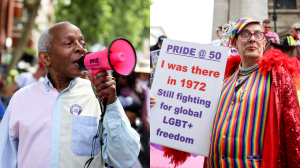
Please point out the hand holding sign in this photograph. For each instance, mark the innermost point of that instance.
(187, 88)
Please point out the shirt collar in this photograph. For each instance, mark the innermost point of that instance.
(49, 85)
(295, 37)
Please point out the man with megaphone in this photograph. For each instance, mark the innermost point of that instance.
(54, 123)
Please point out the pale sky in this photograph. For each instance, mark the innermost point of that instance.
(184, 20)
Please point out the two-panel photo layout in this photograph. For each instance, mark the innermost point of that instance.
(149, 84)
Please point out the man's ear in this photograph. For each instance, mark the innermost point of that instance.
(234, 45)
(45, 58)
(265, 41)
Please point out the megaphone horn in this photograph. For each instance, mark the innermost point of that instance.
(119, 57)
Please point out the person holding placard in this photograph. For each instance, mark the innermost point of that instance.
(257, 120)
(257, 123)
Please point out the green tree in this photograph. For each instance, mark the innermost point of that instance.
(103, 21)
(33, 12)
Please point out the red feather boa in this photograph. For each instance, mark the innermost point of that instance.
(232, 64)
(276, 60)
(177, 157)
(272, 59)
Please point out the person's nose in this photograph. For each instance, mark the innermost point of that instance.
(252, 38)
(79, 48)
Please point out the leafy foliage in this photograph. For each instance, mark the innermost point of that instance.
(101, 21)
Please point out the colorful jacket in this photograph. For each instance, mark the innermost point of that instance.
(282, 136)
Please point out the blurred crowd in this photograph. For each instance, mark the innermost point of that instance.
(16, 80)
(133, 93)
(272, 37)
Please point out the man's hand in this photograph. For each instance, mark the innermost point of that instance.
(152, 101)
(295, 45)
(104, 85)
(273, 40)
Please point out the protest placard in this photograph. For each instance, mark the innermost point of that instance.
(187, 87)
(154, 58)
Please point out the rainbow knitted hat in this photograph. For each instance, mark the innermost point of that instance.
(240, 24)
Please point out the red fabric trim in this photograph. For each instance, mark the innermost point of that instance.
(205, 162)
(270, 144)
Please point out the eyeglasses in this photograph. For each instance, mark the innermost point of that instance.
(297, 28)
(246, 35)
(267, 27)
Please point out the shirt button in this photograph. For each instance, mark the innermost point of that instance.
(224, 136)
(232, 103)
(223, 157)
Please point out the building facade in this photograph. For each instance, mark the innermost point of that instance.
(288, 12)
(155, 32)
(14, 16)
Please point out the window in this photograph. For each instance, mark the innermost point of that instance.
(285, 4)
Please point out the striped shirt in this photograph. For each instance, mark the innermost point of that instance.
(238, 130)
(46, 129)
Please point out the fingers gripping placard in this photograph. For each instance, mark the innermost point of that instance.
(187, 87)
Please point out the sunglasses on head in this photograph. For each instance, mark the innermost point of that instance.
(297, 28)
(267, 27)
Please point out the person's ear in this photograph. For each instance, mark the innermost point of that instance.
(234, 45)
(45, 58)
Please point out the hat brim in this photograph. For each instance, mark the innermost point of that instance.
(142, 69)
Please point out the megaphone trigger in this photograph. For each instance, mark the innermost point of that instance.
(105, 96)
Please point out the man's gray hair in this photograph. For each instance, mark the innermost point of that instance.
(46, 38)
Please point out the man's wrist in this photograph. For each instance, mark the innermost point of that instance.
(114, 109)
(112, 101)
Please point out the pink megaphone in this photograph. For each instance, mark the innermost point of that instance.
(119, 57)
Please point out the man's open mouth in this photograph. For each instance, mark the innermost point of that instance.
(76, 63)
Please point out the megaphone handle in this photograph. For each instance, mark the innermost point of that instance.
(94, 72)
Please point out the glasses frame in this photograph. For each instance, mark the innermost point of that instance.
(296, 28)
(267, 27)
(252, 34)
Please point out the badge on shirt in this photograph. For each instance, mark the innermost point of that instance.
(75, 109)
